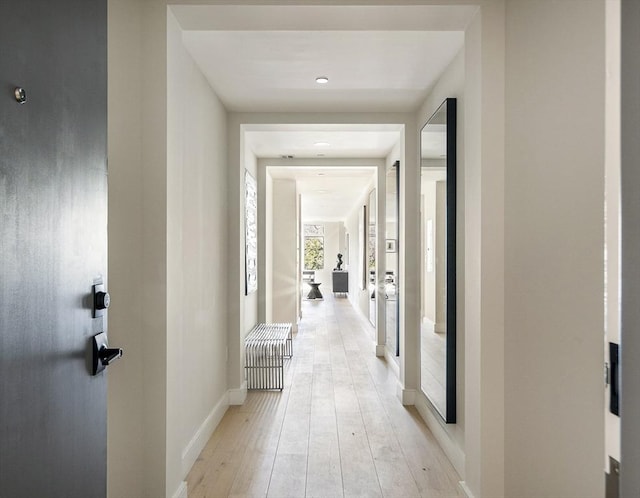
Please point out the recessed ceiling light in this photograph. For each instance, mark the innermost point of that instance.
(322, 144)
(323, 80)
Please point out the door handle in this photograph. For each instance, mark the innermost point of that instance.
(103, 355)
(108, 355)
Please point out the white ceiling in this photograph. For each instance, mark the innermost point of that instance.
(326, 143)
(265, 58)
(368, 71)
(330, 193)
(252, 17)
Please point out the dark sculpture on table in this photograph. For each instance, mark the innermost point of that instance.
(339, 263)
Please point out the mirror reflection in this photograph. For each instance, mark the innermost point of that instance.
(371, 255)
(391, 260)
(437, 223)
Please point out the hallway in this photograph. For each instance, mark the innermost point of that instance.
(337, 429)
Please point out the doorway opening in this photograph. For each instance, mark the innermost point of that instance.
(321, 236)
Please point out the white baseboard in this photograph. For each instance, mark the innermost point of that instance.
(181, 492)
(437, 427)
(380, 350)
(406, 396)
(202, 435)
(238, 396)
(428, 325)
(466, 490)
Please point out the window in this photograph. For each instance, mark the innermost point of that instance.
(313, 247)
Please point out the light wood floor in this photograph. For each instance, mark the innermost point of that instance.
(337, 429)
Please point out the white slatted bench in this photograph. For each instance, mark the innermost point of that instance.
(266, 347)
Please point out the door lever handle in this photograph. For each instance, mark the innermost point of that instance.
(103, 355)
(108, 355)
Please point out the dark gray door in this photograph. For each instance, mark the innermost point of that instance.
(53, 245)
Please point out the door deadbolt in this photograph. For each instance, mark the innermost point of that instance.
(101, 300)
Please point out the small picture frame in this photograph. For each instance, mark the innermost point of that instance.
(390, 245)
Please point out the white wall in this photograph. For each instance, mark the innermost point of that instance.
(612, 212)
(127, 430)
(298, 257)
(284, 231)
(484, 232)
(341, 241)
(235, 261)
(267, 245)
(554, 239)
(166, 268)
(137, 390)
(196, 259)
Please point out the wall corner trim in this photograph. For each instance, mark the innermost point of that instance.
(181, 492)
(466, 490)
(237, 396)
(201, 436)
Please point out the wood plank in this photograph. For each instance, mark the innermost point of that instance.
(324, 473)
(358, 469)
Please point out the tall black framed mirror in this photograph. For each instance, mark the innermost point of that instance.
(438, 260)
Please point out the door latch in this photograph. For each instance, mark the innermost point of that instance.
(103, 355)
